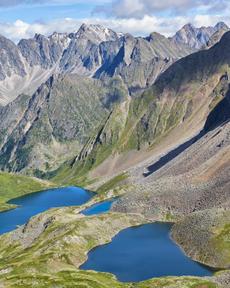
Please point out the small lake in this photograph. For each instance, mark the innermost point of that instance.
(99, 208)
(143, 252)
(135, 254)
(35, 203)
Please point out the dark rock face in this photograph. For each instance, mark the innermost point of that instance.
(139, 61)
(83, 54)
(220, 114)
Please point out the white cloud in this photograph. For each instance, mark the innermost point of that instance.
(10, 3)
(139, 8)
(139, 27)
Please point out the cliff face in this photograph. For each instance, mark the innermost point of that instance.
(96, 51)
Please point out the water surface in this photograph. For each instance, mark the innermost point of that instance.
(99, 208)
(35, 203)
(135, 254)
(143, 252)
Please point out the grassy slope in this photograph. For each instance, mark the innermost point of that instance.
(12, 186)
(58, 244)
(90, 279)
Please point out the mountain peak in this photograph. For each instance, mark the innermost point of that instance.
(96, 33)
(197, 37)
(38, 37)
(188, 26)
(221, 25)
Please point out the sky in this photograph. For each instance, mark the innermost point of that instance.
(23, 18)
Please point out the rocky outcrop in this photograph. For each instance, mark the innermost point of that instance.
(199, 37)
(11, 61)
(204, 236)
(215, 38)
(139, 61)
(92, 51)
(44, 51)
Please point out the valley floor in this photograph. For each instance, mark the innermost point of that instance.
(51, 247)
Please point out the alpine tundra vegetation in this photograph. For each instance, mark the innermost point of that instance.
(141, 121)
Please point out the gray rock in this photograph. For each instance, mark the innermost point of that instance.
(197, 37)
(11, 61)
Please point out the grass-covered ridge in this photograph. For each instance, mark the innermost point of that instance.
(14, 185)
(49, 250)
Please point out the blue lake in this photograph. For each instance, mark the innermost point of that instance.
(143, 252)
(99, 208)
(36, 203)
(135, 254)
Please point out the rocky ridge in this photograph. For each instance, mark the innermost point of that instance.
(92, 51)
(199, 37)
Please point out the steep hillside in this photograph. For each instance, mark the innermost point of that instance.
(195, 180)
(215, 38)
(192, 177)
(54, 124)
(11, 61)
(94, 119)
(172, 111)
(96, 51)
(44, 51)
(205, 236)
(13, 186)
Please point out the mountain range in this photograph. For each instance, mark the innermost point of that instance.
(145, 118)
(68, 84)
(94, 51)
